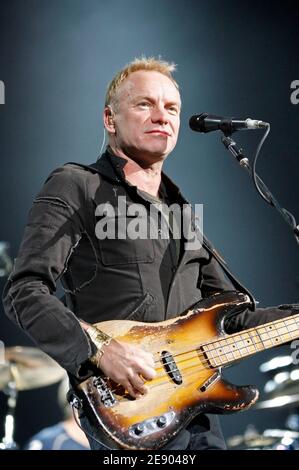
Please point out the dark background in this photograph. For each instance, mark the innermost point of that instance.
(234, 59)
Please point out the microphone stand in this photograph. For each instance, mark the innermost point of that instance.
(263, 190)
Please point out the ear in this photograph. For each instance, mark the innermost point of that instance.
(108, 118)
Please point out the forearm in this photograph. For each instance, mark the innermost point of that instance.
(250, 319)
(53, 327)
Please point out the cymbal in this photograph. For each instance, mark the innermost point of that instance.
(248, 442)
(29, 368)
(281, 433)
(278, 362)
(280, 401)
(283, 383)
(269, 439)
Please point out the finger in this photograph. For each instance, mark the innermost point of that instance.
(147, 373)
(138, 384)
(149, 359)
(152, 361)
(131, 391)
(134, 392)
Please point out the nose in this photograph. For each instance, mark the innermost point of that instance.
(159, 115)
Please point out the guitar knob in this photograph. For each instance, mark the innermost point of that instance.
(139, 429)
(161, 421)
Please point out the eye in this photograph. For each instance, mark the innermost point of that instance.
(144, 104)
(173, 110)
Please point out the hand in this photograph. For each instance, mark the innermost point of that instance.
(126, 365)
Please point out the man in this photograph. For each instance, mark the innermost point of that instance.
(124, 278)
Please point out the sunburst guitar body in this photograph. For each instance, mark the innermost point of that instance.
(190, 352)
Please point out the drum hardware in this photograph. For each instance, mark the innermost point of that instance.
(24, 368)
(8, 442)
(281, 391)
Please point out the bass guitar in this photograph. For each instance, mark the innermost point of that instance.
(190, 352)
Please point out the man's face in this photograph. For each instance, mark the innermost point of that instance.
(147, 116)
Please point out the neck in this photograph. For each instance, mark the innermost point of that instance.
(146, 176)
(234, 347)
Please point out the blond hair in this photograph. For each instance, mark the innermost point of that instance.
(144, 63)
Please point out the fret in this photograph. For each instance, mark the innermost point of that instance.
(224, 349)
(239, 345)
(249, 346)
(276, 334)
(256, 341)
(245, 345)
(292, 329)
(283, 333)
(223, 354)
(266, 333)
(210, 351)
(231, 344)
(259, 339)
(286, 333)
(228, 348)
(218, 358)
(272, 334)
(233, 347)
(291, 326)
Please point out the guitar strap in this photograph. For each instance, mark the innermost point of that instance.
(206, 243)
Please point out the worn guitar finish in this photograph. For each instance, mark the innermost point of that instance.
(189, 352)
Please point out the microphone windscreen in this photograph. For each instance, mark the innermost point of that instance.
(197, 122)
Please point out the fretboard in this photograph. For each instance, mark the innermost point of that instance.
(233, 347)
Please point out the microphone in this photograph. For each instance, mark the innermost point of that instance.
(205, 122)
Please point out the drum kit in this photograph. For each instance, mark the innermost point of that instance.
(281, 392)
(23, 368)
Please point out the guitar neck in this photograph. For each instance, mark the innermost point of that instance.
(246, 343)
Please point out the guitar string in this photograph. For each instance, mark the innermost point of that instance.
(220, 355)
(163, 373)
(151, 384)
(170, 385)
(194, 352)
(230, 339)
(216, 340)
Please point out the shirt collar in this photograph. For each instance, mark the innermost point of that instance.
(113, 165)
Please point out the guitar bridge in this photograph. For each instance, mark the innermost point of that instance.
(106, 396)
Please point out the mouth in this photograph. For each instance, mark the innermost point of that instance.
(159, 132)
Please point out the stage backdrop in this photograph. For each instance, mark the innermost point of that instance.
(234, 59)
